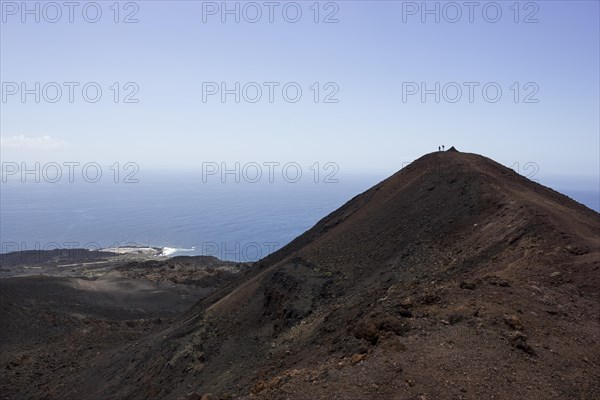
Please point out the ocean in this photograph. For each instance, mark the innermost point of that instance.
(236, 222)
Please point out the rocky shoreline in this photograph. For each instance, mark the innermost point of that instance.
(74, 262)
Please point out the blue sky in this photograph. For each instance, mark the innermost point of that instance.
(370, 58)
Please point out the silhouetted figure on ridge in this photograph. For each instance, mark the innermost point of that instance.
(442, 147)
(439, 148)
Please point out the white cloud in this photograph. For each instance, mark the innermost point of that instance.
(23, 142)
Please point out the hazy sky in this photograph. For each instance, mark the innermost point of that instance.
(373, 61)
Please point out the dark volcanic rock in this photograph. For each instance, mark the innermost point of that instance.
(455, 239)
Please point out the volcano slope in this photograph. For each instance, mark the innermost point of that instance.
(455, 278)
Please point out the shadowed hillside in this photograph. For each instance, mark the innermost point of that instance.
(453, 278)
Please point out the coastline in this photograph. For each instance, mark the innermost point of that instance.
(76, 262)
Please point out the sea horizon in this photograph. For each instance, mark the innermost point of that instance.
(234, 221)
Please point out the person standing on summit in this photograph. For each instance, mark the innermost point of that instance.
(442, 147)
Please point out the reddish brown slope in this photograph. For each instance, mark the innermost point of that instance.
(454, 278)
